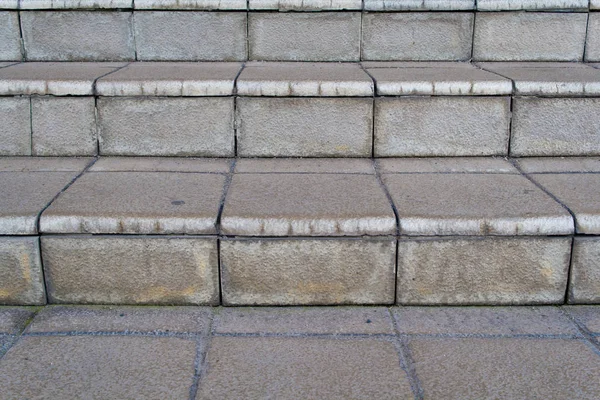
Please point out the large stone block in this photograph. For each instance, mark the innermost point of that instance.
(592, 49)
(208, 36)
(296, 127)
(324, 36)
(472, 270)
(78, 35)
(166, 126)
(131, 270)
(75, 4)
(417, 36)
(307, 271)
(442, 126)
(21, 278)
(10, 37)
(15, 129)
(585, 271)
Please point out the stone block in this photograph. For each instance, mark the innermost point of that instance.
(190, 5)
(75, 4)
(9, 4)
(559, 164)
(15, 130)
(10, 37)
(419, 5)
(585, 271)
(304, 165)
(160, 164)
(592, 47)
(21, 278)
(488, 165)
(543, 5)
(304, 5)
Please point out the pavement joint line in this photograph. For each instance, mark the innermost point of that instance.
(307, 335)
(406, 362)
(155, 334)
(585, 332)
(16, 337)
(490, 336)
(202, 347)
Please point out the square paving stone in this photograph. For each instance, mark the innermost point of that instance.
(585, 271)
(14, 319)
(106, 367)
(588, 316)
(303, 79)
(170, 79)
(21, 277)
(506, 368)
(288, 368)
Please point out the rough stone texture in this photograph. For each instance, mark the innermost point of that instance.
(304, 165)
(549, 79)
(595, 4)
(10, 42)
(483, 321)
(304, 5)
(555, 127)
(585, 271)
(170, 79)
(501, 5)
(325, 36)
(559, 164)
(331, 205)
(592, 50)
(14, 319)
(295, 127)
(190, 5)
(488, 165)
(160, 164)
(21, 278)
(411, 5)
(588, 316)
(137, 203)
(15, 129)
(526, 36)
(98, 367)
(78, 35)
(63, 126)
(444, 79)
(43, 164)
(305, 320)
(206, 36)
(417, 36)
(312, 368)
(75, 4)
(304, 79)
(166, 126)
(57, 79)
(9, 4)
(167, 270)
(121, 319)
(492, 271)
(475, 204)
(442, 126)
(307, 272)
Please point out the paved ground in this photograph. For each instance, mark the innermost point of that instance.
(67, 352)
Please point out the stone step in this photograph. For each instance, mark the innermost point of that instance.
(452, 231)
(280, 109)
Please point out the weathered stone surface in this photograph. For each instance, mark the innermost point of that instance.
(303, 79)
(78, 35)
(307, 271)
(194, 36)
(14, 319)
(417, 36)
(170, 79)
(98, 367)
(483, 321)
(160, 164)
(166, 126)
(526, 36)
(9, 4)
(314, 368)
(501, 5)
(63, 126)
(549, 79)
(492, 271)
(43, 164)
(15, 130)
(592, 49)
(326, 36)
(595, 4)
(304, 165)
(21, 278)
(331, 205)
(555, 127)
(475, 204)
(559, 164)
(411, 5)
(304, 5)
(441, 126)
(488, 165)
(137, 203)
(585, 271)
(588, 316)
(190, 5)
(10, 46)
(168, 270)
(444, 79)
(75, 4)
(121, 319)
(304, 320)
(478, 368)
(296, 127)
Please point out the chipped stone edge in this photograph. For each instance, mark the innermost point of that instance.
(557, 88)
(304, 5)
(515, 5)
(304, 88)
(18, 225)
(587, 223)
(172, 88)
(45, 87)
(190, 5)
(75, 4)
(419, 5)
(453, 88)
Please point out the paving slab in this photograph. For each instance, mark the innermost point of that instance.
(418, 5)
(488, 165)
(316, 368)
(98, 367)
(304, 5)
(170, 79)
(584, 286)
(303, 79)
(304, 166)
(443, 80)
(559, 164)
(332, 205)
(21, 277)
(75, 4)
(544, 5)
(14, 319)
(190, 5)
(588, 316)
(549, 79)
(160, 164)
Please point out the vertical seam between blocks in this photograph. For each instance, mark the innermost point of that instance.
(30, 126)
(406, 361)
(200, 359)
(372, 109)
(235, 110)
(473, 31)
(247, 30)
(388, 195)
(133, 35)
(21, 36)
(587, 32)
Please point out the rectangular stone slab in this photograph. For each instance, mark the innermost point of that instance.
(190, 5)
(592, 47)
(559, 164)
(418, 5)
(10, 47)
(15, 131)
(304, 5)
(501, 5)
(75, 4)
(21, 277)
(585, 271)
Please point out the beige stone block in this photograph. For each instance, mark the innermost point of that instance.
(585, 271)
(21, 278)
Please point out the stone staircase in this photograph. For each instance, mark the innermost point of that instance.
(261, 152)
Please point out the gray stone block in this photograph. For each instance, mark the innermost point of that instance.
(78, 35)
(63, 126)
(21, 278)
(195, 36)
(160, 164)
(493, 271)
(324, 36)
(190, 5)
(419, 5)
(15, 129)
(43, 164)
(442, 126)
(9, 4)
(562, 164)
(417, 36)
(296, 127)
(304, 5)
(307, 272)
(541, 5)
(304, 165)
(523, 36)
(166, 126)
(167, 270)
(592, 47)
(489, 165)
(10, 37)
(75, 4)
(585, 271)
(555, 127)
